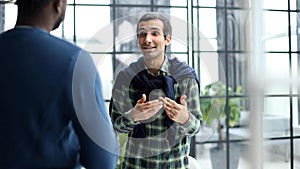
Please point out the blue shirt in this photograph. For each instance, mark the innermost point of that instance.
(52, 110)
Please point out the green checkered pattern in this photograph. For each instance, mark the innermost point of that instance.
(163, 147)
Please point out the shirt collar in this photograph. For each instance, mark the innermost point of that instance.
(164, 70)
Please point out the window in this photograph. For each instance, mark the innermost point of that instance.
(215, 37)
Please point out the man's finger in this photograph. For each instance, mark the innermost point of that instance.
(142, 100)
(182, 100)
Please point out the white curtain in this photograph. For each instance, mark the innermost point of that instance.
(233, 32)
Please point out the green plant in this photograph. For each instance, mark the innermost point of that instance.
(213, 105)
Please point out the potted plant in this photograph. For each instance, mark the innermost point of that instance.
(213, 108)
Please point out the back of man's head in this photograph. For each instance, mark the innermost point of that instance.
(30, 7)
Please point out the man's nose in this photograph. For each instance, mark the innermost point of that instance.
(148, 38)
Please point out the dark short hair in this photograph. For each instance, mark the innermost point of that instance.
(30, 7)
(155, 15)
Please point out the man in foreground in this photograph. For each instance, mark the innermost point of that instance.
(52, 110)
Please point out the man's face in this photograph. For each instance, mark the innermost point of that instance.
(151, 38)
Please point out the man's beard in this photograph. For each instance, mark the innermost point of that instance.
(57, 23)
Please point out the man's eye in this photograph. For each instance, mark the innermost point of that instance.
(142, 34)
(155, 33)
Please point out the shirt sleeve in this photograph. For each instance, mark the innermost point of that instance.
(120, 109)
(190, 88)
(98, 142)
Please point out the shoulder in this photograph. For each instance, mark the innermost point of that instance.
(180, 70)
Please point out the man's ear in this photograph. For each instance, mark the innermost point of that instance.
(168, 39)
(58, 5)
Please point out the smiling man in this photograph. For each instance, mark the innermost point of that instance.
(156, 101)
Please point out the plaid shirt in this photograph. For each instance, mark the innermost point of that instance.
(164, 146)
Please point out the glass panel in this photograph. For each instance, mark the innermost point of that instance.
(125, 34)
(132, 2)
(295, 74)
(207, 25)
(179, 30)
(296, 153)
(103, 2)
(205, 3)
(277, 72)
(294, 31)
(10, 16)
(276, 31)
(296, 116)
(210, 69)
(293, 4)
(178, 3)
(276, 154)
(276, 112)
(179, 13)
(205, 30)
(177, 45)
(105, 69)
(89, 21)
(280, 4)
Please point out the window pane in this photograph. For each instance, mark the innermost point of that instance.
(296, 116)
(10, 16)
(294, 31)
(276, 31)
(104, 66)
(208, 3)
(277, 73)
(179, 30)
(296, 152)
(276, 154)
(90, 20)
(279, 4)
(125, 35)
(132, 2)
(92, 2)
(207, 25)
(211, 68)
(277, 111)
(178, 3)
(205, 30)
(293, 4)
(282, 121)
(180, 13)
